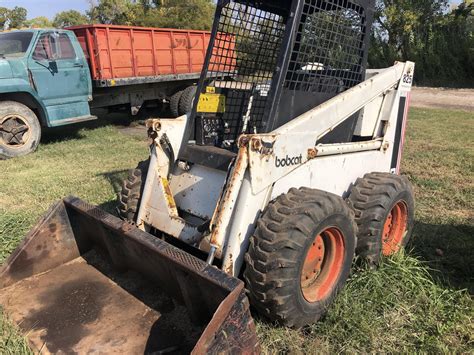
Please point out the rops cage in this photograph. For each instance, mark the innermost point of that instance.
(270, 62)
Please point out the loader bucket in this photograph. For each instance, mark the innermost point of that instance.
(83, 281)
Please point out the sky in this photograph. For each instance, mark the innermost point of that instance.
(49, 8)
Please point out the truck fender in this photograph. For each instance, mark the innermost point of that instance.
(20, 91)
(29, 99)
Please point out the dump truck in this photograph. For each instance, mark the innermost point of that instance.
(53, 77)
(285, 170)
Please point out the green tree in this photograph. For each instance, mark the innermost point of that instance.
(4, 13)
(425, 31)
(39, 22)
(113, 12)
(69, 18)
(17, 16)
(195, 14)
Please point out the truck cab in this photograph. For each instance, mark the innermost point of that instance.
(44, 82)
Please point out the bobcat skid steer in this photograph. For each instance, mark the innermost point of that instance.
(286, 168)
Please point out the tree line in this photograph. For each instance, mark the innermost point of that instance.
(433, 33)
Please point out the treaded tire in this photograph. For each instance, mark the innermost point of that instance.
(373, 198)
(275, 260)
(187, 100)
(132, 189)
(174, 103)
(25, 118)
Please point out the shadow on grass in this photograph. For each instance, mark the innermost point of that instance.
(115, 179)
(124, 119)
(72, 132)
(448, 250)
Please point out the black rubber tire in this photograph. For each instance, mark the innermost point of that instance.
(187, 100)
(132, 189)
(372, 198)
(9, 108)
(278, 250)
(174, 103)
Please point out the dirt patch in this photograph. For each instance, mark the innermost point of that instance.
(455, 99)
(138, 131)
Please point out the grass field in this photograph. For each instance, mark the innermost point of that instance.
(419, 301)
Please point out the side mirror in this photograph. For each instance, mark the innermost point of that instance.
(53, 66)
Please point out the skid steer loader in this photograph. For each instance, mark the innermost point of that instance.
(286, 168)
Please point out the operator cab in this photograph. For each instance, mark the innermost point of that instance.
(250, 85)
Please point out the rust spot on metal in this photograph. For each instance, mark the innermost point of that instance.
(312, 153)
(244, 140)
(256, 144)
(226, 203)
(127, 227)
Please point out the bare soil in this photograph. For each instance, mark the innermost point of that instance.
(455, 99)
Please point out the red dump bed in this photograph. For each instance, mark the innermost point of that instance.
(116, 52)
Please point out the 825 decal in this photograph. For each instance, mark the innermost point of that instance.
(408, 79)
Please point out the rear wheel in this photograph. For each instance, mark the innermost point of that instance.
(384, 212)
(187, 100)
(132, 189)
(174, 103)
(300, 256)
(20, 130)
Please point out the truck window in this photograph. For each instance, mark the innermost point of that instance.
(14, 44)
(66, 48)
(54, 47)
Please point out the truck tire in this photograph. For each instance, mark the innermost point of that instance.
(132, 189)
(20, 130)
(174, 103)
(187, 100)
(300, 256)
(384, 212)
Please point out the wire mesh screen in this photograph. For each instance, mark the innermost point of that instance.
(244, 58)
(329, 49)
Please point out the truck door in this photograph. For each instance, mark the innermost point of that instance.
(61, 77)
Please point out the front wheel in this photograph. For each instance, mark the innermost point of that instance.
(300, 256)
(20, 130)
(132, 189)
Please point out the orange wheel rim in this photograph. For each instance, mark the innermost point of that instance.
(395, 229)
(323, 265)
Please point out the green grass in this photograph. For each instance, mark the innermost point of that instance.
(415, 302)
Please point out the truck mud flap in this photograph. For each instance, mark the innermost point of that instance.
(84, 281)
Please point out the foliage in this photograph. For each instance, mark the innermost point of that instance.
(112, 12)
(39, 22)
(441, 42)
(15, 17)
(69, 18)
(195, 14)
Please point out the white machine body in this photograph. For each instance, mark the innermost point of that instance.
(178, 197)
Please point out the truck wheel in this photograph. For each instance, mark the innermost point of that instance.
(300, 256)
(187, 100)
(20, 130)
(384, 212)
(174, 103)
(132, 189)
